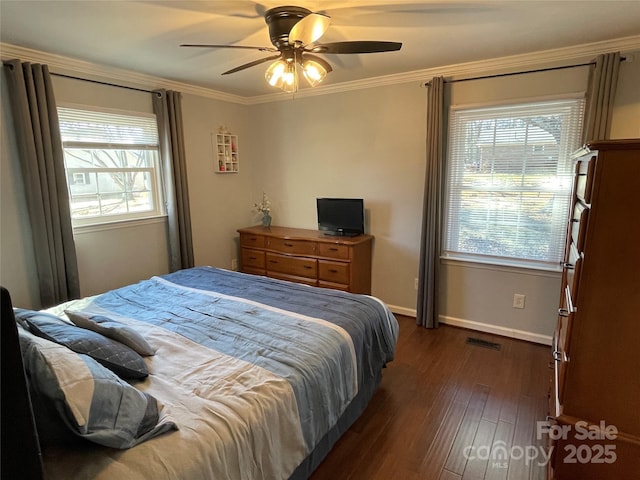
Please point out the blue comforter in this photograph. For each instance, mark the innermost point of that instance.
(327, 344)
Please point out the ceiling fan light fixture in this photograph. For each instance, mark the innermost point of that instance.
(294, 32)
(282, 74)
(275, 73)
(290, 79)
(313, 72)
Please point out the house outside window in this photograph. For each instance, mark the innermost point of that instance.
(112, 164)
(78, 178)
(508, 182)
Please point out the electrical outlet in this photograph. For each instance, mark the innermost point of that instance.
(518, 300)
(234, 264)
(415, 283)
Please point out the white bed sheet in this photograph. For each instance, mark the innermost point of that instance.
(236, 421)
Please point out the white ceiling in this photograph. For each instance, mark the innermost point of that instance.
(144, 36)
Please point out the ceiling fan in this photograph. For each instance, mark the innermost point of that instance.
(294, 32)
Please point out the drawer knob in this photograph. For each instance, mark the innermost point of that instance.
(288, 244)
(253, 258)
(333, 270)
(308, 267)
(333, 249)
(273, 261)
(563, 312)
(567, 265)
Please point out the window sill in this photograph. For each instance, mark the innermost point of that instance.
(99, 227)
(502, 266)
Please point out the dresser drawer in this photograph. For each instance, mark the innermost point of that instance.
(252, 258)
(298, 266)
(292, 278)
(333, 250)
(334, 286)
(250, 240)
(253, 271)
(298, 247)
(579, 221)
(560, 353)
(565, 320)
(584, 178)
(293, 254)
(336, 272)
(573, 269)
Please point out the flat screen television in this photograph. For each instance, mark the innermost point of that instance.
(341, 216)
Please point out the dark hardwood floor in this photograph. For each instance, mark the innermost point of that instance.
(449, 410)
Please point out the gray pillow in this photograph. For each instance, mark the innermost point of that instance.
(114, 355)
(91, 400)
(112, 329)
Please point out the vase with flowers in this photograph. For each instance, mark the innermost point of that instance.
(264, 208)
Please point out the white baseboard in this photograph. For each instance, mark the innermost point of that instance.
(498, 330)
(409, 312)
(482, 327)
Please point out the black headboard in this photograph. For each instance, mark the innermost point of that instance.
(21, 454)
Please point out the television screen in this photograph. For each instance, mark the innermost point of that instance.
(341, 216)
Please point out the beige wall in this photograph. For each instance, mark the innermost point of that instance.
(364, 144)
(220, 202)
(625, 122)
(367, 143)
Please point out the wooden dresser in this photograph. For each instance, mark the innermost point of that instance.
(308, 256)
(596, 348)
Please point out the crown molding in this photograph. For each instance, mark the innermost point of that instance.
(126, 78)
(540, 59)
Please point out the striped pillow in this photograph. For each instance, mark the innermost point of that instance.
(91, 400)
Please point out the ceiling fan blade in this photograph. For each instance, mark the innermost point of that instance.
(262, 49)
(356, 47)
(309, 29)
(252, 64)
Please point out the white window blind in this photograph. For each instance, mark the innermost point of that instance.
(509, 180)
(112, 165)
(106, 128)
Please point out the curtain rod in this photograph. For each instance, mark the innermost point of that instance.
(101, 82)
(497, 75)
(426, 84)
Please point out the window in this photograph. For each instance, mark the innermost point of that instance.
(79, 178)
(111, 160)
(509, 181)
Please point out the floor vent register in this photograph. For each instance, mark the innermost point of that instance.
(478, 342)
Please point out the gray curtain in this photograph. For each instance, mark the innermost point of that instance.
(35, 119)
(428, 273)
(167, 106)
(600, 96)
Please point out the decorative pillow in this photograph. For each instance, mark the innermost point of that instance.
(112, 329)
(92, 401)
(22, 314)
(114, 355)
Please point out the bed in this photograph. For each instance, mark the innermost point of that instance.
(250, 377)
